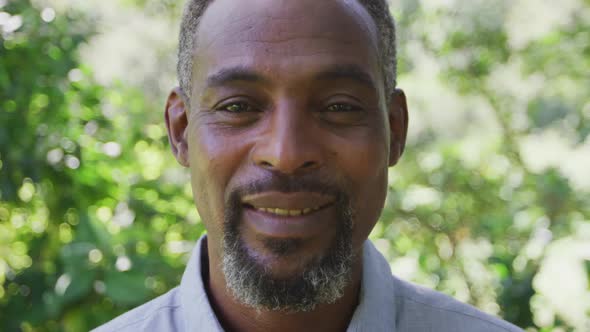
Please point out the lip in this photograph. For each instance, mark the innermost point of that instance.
(288, 201)
(284, 226)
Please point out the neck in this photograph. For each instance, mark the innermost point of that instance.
(235, 316)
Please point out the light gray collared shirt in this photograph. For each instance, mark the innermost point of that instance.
(386, 304)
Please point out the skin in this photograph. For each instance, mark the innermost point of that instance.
(287, 117)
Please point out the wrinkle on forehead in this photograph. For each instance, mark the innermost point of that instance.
(242, 21)
(284, 39)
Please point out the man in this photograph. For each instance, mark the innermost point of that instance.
(288, 118)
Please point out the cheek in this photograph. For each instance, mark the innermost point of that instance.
(366, 164)
(365, 159)
(213, 157)
(213, 160)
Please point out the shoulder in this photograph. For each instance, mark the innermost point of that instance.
(159, 314)
(422, 309)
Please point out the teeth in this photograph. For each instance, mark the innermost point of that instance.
(293, 213)
(281, 212)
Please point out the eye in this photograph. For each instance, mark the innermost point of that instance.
(237, 112)
(343, 113)
(342, 107)
(237, 107)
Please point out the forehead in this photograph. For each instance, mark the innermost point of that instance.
(285, 36)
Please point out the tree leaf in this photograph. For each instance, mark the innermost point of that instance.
(126, 288)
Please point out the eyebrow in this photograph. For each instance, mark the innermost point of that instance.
(234, 74)
(347, 72)
(351, 72)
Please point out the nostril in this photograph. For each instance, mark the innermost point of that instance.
(265, 164)
(308, 164)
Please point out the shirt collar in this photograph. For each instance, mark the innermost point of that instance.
(375, 311)
(197, 311)
(376, 308)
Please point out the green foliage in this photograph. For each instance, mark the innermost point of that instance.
(85, 213)
(96, 217)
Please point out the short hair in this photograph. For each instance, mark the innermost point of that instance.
(378, 9)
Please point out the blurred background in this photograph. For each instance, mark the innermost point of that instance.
(490, 203)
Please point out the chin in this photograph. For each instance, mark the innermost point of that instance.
(284, 258)
(283, 277)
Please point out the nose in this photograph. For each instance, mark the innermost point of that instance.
(288, 144)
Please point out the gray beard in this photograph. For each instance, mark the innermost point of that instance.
(322, 280)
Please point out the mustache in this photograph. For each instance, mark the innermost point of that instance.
(290, 183)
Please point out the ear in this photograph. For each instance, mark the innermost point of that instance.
(398, 125)
(176, 124)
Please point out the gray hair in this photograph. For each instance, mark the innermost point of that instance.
(378, 9)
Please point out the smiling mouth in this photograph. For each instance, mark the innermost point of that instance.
(287, 212)
(294, 204)
(304, 215)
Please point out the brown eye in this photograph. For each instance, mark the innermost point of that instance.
(342, 108)
(237, 108)
(238, 113)
(343, 114)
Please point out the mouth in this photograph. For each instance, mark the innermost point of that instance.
(287, 212)
(282, 215)
(291, 204)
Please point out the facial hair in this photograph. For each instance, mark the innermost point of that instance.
(321, 281)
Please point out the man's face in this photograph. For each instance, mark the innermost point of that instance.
(288, 136)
